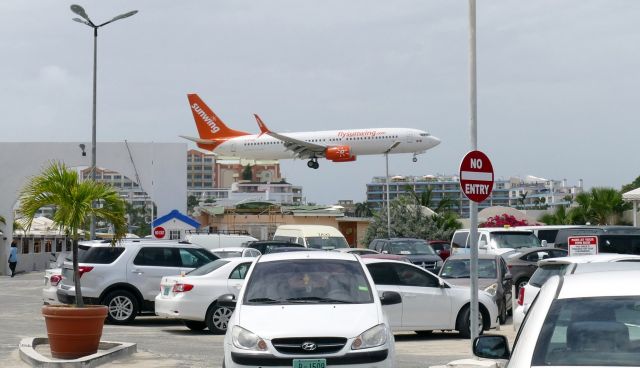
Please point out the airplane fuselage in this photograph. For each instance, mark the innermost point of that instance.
(360, 141)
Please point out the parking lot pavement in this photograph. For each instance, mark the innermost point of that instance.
(166, 343)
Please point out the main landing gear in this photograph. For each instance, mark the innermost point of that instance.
(313, 163)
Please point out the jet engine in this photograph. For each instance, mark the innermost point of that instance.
(339, 154)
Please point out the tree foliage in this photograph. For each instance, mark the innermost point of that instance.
(631, 186)
(410, 220)
(362, 209)
(247, 174)
(59, 187)
(599, 206)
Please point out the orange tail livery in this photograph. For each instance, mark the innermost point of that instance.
(211, 129)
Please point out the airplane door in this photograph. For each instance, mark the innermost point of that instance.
(232, 148)
(410, 138)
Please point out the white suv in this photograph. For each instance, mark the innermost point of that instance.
(126, 277)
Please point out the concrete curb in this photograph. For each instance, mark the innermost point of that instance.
(107, 352)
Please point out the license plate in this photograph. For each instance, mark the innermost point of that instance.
(166, 291)
(309, 363)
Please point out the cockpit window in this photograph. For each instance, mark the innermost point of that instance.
(424, 134)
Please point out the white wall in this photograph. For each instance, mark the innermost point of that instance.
(162, 168)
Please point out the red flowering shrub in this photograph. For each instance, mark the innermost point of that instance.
(502, 221)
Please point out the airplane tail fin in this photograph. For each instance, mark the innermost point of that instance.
(209, 125)
(262, 125)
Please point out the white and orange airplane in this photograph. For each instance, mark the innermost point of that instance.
(334, 145)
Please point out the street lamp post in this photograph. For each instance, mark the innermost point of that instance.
(386, 157)
(77, 9)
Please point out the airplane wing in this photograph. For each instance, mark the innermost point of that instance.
(302, 149)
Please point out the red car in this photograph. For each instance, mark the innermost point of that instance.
(442, 247)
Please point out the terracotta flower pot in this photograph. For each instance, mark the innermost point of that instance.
(74, 332)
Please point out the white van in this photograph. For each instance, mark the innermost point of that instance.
(213, 241)
(494, 240)
(311, 236)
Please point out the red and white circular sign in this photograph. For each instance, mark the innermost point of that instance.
(159, 232)
(476, 176)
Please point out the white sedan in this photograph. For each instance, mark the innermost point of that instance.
(428, 302)
(52, 278)
(193, 297)
(579, 320)
(229, 252)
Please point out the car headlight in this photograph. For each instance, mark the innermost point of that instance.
(439, 263)
(492, 289)
(245, 339)
(375, 336)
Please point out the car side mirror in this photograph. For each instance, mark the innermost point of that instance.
(441, 283)
(390, 297)
(385, 252)
(508, 276)
(544, 243)
(227, 300)
(491, 347)
(482, 244)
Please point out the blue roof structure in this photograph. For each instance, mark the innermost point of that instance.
(175, 214)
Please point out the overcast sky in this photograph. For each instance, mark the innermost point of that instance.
(557, 79)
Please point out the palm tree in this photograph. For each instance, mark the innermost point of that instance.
(61, 188)
(560, 217)
(362, 209)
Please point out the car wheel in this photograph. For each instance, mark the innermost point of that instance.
(464, 322)
(424, 333)
(519, 284)
(122, 307)
(217, 318)
(502, 318)
(195, 325)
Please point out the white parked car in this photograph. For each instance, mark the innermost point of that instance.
(125, 277)
(52, 278)
(428, 301)
(565, 266)
(193, 297)
(309, 309)
(228, 252)
(579, 320)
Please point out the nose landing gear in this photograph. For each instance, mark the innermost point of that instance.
(415, 158)
(313, 163)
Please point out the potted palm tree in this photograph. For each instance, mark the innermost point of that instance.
(73, 199)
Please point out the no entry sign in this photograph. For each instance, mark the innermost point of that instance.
(159, 232)
(476, 176)
(583, 245)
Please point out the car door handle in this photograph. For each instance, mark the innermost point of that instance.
(237, 287)
(409, 295)
(137, 271)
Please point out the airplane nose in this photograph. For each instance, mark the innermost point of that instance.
(434, 141)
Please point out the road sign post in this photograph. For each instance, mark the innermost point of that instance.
(476, 182)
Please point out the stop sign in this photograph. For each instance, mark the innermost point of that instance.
(159, 232)
(476, 176)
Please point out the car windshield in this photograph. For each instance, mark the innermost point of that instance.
(296, 281)
(514, 240)
(594, 331)
(410, 247)
(228, 253)
(459, 269)
(208, 268)
(327, 243)
(544, 273)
